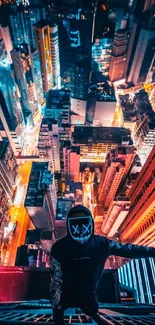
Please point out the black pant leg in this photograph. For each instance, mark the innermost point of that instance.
(58, 316)
(90, 308)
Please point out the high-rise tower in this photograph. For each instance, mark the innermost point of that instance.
(42, 34)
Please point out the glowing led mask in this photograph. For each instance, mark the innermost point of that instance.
(80, 228)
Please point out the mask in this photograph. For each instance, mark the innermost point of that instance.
(80, 228)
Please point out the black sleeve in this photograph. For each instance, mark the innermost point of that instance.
(56, 279)
(129, 250)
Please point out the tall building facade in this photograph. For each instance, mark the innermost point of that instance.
(32, 15)
(151, 73)
(148, 4)
(139, 127)
(38, 77)
(138, 227)
(39, 197)
(71, 157)
(54, 41)
(75, 34)
(21, 22)
(8, 173)
(118, 57)
(79, 78)
(49, 144)
(101, 54)
(138, 274)
(8, 91)
(141, 47)
(9, 99)
(42, 35)
(8, 170)
(9, 122)
(58, 106)
(20, 65)
(146, 146)
(117, 212)
(116, 167)
(17, 28)
(28, 69)
(5, 36)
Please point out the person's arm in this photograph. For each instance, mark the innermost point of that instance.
(56, 281)
(129, 250)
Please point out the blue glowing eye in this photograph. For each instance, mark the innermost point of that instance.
(75, 228)
(86, 228)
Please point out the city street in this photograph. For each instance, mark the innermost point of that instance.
(87, 189)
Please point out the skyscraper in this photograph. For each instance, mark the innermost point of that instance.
(17, 27)
(11, 117)
(5, 36)
(75, 35)
(80, 77)
(138, 227)
(23, 69)
(135, 274)
(7, 85)
(8, 173)
(54, 42)
(11, 114)
(151, 73)
(141, 47)
(49, 144)
(118, 57)
(101, 54)
(31, 16)
(58, 106)
(39, 201)
(147, 145)
(115, 169)
(72, 163)
(117, 12)
(139, 127)
(42, 34)
(8, 170)
(38, 77)
(22, 20)
(148, 4)
(117, 212)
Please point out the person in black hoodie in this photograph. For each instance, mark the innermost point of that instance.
(77, 262)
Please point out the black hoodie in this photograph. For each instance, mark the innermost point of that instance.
(82, 264)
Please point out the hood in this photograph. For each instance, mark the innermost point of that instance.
(72, 216)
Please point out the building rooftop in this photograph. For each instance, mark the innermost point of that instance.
(41, 23)
(49, 122)
(58, 99)
(63, 207)
(90, 135)
(102, 91)
(40, 178)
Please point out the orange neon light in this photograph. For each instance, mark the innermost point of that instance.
(103, 7)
